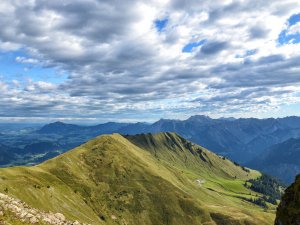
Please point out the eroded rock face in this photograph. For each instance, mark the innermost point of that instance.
(22, 212)
(288, 211)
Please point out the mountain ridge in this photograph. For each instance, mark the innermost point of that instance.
(281, 159)
(112, 179)
(242, 140)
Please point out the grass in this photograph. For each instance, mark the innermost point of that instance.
(142, 179)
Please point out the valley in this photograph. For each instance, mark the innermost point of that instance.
(249, 142)
(146, 178)
(149, 112)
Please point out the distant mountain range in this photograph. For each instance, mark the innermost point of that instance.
(239, 139)
(69, 129)
(281, 160)
(138, 179)
(242, 140)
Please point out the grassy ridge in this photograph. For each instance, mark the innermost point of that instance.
(142, 179)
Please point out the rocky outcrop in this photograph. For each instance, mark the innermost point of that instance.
(288, 211)
(22, 212)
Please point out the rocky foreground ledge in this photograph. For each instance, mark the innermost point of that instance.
(16, 210)
(288, 211)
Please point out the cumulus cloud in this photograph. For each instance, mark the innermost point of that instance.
(119, 64)
(21, 59)
(294, 29)
(258, 32)
(213, 47)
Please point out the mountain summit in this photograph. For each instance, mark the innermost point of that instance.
(59, 127)
(139, 179)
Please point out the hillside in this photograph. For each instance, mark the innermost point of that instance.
(288, 212)
(281, 160)
(142, 179)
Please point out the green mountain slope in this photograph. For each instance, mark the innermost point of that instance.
(288, 212)
(141, 179)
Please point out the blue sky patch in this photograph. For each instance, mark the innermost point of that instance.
(190, 46)
(286, 38)
(161, 24)
(247, 53)
(294, 19)
(10, 69)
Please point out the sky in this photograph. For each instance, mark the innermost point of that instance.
(129, 60)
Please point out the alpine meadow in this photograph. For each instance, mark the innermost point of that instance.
(150, 112)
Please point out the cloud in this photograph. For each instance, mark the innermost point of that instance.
(120, 63)
(213, 47)
(294, 29)
(258, 32)
(21, 59)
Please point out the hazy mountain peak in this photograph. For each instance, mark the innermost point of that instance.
(58, 127)
(227, 118)
(162, 120)
(199, 118)
(57, 123)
